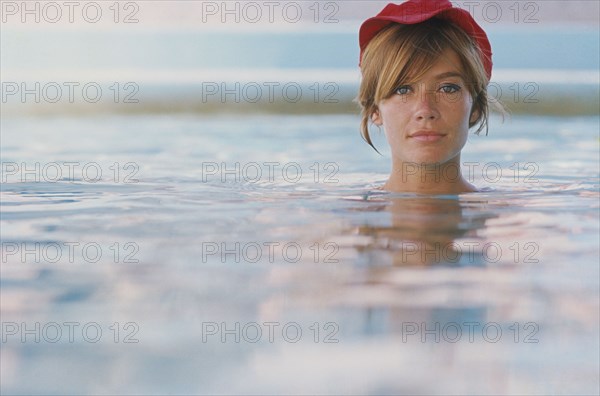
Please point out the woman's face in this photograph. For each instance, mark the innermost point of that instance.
(427, 121)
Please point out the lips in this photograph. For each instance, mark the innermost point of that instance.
(427, 136)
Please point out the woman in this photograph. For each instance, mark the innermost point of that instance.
(425, 69)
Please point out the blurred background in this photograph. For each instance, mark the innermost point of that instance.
(184, 56)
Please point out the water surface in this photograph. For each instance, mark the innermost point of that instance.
(520, 256)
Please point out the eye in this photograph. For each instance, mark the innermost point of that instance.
(450, 88)
(403, 90)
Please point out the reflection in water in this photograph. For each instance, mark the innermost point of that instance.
(417, 231)
(428, 231)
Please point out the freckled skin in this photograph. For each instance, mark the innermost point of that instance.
(438, 105)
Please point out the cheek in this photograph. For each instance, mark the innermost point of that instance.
(463, 113)
(464, 122)
(393, 126)
(392, 138)
(394, 116)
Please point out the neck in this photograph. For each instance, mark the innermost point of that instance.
(443, 178)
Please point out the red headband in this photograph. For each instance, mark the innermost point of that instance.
(415, 11)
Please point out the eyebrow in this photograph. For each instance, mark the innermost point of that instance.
(449, 74)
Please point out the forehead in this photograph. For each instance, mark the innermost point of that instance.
(448, 59)
(446, 64)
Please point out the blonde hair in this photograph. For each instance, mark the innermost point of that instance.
(403, 53)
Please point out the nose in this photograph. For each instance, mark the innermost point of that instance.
(426, 106)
